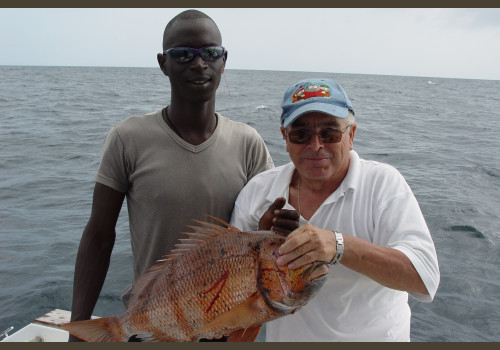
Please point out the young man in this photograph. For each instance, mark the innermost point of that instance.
(361, 216)
(172, 165)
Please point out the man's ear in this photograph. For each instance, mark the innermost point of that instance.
(352, 131)
(224, 58)
(162, 62)
(283, 132)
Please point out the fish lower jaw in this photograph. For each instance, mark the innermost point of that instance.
(283, 308)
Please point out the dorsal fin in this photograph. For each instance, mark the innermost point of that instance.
(211, 232)
(145, 280)
(201, 234)
(227, 226)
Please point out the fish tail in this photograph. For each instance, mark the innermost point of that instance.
(106, 329)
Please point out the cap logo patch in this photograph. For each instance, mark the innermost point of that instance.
(310, 90)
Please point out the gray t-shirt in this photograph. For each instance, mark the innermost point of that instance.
(168, 181)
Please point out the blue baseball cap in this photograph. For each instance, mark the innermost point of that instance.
(314, 95)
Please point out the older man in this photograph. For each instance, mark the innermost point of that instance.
(359, 215)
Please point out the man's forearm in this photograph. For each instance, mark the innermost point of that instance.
(91, 267)
(387, 266)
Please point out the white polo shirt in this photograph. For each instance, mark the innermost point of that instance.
(374, 203)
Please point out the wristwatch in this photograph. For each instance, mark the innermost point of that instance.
(340, 248)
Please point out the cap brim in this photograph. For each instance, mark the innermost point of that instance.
(330, 109)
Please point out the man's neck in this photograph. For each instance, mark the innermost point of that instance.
(307, 195)
(194, 124)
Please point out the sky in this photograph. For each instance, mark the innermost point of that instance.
(448, 43)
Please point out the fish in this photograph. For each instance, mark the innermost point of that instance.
(219, 281)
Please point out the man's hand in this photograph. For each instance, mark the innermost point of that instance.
(280, 220)
(306, 245)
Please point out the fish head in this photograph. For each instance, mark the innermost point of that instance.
(285, 289)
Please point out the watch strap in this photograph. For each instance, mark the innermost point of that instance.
(339, 249)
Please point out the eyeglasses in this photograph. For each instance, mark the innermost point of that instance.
(187, 54)
(328, 135)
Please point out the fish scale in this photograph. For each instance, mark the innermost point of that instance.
(217, 281)
(239, 279)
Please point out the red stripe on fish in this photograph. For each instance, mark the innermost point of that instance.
(223, 279)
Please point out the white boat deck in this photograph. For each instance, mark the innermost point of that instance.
(43, 329)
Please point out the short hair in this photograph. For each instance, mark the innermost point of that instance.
(350, 120)
(188, 14)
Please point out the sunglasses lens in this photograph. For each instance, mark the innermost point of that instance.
(212, 53)
(186, 54)
(181, 54)
(302, 136)
(330, 135)
(299, 136)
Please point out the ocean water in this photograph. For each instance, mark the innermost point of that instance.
(442, 135)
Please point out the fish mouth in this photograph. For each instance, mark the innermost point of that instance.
(314, 277)
(317, 271)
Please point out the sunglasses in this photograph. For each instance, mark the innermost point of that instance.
(187, 54)
(328, 135)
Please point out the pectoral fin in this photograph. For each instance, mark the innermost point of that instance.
(245, 335)
(241, 317)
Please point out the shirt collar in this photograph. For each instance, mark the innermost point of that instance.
(281, 185)
(351, 180)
